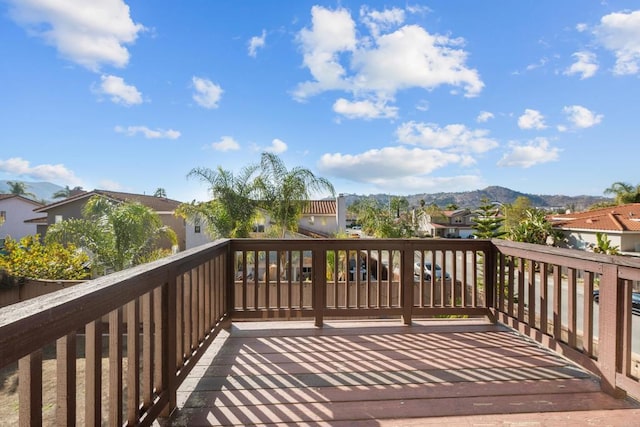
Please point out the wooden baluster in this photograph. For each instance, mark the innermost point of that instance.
(147, 350)
(66, 380)
(30, 389)
(115, 367)
(93, 374)
(133, 362)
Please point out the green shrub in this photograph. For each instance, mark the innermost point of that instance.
(29, 258)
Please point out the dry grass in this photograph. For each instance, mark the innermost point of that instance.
(9, 408)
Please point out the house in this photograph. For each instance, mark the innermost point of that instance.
(450, 224)
(621, 224)
(16, 215)
(324, 218)
(71, 207)
(320, 218)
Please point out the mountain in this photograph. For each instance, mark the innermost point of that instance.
(42, 190)
(472, 199)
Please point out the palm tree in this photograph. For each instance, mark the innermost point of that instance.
(19, 189)
(66, 192)
(119, 235)
(232, 209)
(284, 193)
(624, 193)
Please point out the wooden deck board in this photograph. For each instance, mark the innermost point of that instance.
(380, 373)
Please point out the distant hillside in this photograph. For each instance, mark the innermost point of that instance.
(42, 190)
(472, 199)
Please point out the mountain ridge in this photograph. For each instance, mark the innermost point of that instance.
(472, 199)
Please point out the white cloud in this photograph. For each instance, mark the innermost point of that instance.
(389, 163)
(581, 117)
(581, 27)
(585, 65)
(620, 33)
(46, 172)
(484, 116)
(384, 20)
(226, 143)
(257, 42)
(364, 109)
(118, 91)
(339, 57)
(207, 94)
(277, 146)
(535, 152)
(454, 137)
(148, 133)
(531, 119)
(89, 33)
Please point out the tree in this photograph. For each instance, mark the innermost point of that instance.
(377, 221)
(624, 193)
(19, 189)
(604, 245)
(398, 204)
(29, 258)
(67, 192)
(232, 209)
(160, 192)
(535, 228)
(119, 235)
(515, 212)
(284, 193)
(487, 223)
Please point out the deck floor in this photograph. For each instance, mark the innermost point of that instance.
(382, 373)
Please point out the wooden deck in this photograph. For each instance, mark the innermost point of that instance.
(465, 372)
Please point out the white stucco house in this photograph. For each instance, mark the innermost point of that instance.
(320, 218)
(17, 213)
(621, 224)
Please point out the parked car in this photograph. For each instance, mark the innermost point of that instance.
(635, 300)
(428, 271)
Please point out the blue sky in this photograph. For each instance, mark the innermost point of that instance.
(400, 97)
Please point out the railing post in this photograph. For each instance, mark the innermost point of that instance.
(319, 284)
(610, 330)
(490, 274)
(169, 329)
(230, 279)
(407, 283)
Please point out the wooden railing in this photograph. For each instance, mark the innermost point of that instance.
(360, 278)
(143, 329)
(548, 294)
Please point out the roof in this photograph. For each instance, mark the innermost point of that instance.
(158, 204)
(457, 212)
(320, 207)
(16, 196)
(615, 218)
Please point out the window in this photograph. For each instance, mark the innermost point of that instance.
(196, 229)
(3, 215)
(58, 219)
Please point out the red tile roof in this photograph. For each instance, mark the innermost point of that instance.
(320, 207)
(615, 218)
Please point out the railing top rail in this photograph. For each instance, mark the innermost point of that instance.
(25, 326)
(358, 244)
(545, 253)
